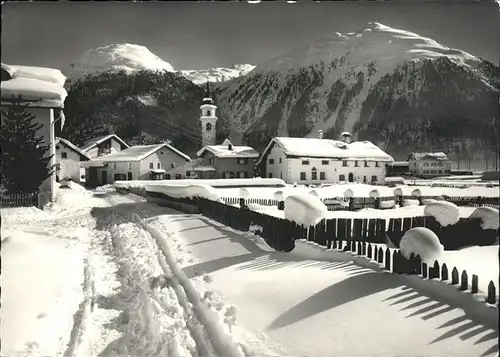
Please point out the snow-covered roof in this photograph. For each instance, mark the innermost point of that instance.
(72, 146)
(94, 142)
(43, 86)
(139, 152)
(328, 149)
(228, 150)
(441, 156)
(158, 171)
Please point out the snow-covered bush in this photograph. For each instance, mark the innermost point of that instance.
(186, 191)
(398, 192)
(244, 193)
(489, 217)
(423, 242)
(411, 203)
(416, 193)
(446, 213)
(387, 204)
(314, 193)
(304, 209)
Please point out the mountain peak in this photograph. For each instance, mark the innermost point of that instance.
(116, 57)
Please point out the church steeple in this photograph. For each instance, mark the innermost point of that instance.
(208, 99)
(208, 118)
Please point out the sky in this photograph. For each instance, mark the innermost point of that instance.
(196, 35)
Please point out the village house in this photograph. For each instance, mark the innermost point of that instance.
(142, 162)
(104, 145)
(318, 160)
(429, 164)
(225, 161)
(42, 90)
(68, 158)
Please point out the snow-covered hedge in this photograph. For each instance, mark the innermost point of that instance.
(304, 209)
(249, 182)
(446, 213)
(186, 191)
(489, 217)
(423, 242)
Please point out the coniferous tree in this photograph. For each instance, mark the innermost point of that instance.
(23, 154)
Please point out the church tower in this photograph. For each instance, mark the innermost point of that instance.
(208, 119)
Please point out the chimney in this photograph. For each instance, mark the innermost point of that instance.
(346, 137)
(320, 134)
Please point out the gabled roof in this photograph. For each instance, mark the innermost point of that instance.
(441, 156)
(139, 152)
(228, 150)
(327, 149)
(94, 142)
(73, 147)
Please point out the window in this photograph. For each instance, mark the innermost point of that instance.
(344, 163)
(64, 155)
(341, 177)
(178, 176)
(209, 113)
(120, 177)
(241, 174)
(231, 175)
(356, 163)
(172, 165)
(130, 166)
(245, 174)
(211, 161)
(158, 165)
(366, 163)
(364, 179)
(324, 162)
(374, 178)
(161, 152)
(303, 176)
(433, 171)
(114, 166)
(426, 164)
(281, 175)
(440, 171)
(129, 176)
(188, 173)
(305, 162)
(270, 175)
(322, 176)
(280, 160)
(426, 171)
(376, 164)
(208, 127)
(271, 161)
(433, 164)
(440, 164)
(314, 175)
(242, 161)
(151, 165)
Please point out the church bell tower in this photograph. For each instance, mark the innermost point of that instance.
(208, 119)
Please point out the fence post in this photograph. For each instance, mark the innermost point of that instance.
(454, 276)
(464, 281)
(387, 259)
(474, 284)
(281, 205)
(444, 272)
(363, 248)
(380, 255)
(491, 298)
(377, 203)
(396, 262)
(425, 270)
(351, 204)
(434, 271)
(369, 250)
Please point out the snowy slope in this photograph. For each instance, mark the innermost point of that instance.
(117, 57)
(218, 74)
(327, 83)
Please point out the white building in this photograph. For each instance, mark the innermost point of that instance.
(68, 158)
(318, 160)
(429, 164)
(142, 162)
(104, 145)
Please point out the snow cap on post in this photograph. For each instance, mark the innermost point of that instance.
(416, 192)
(489, 217)
(314, 193)
(445, 213)
(423, 242)
(278, 196)
(398, 192)
(244, 193)
(304, 209)
(374, 194)
(348, 193)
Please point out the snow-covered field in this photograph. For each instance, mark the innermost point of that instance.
(130, 278)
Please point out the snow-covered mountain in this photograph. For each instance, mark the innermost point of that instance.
(218, 74)
(380, 83)
(118, 57)
(133, 58)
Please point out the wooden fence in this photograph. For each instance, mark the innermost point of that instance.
(36, 199)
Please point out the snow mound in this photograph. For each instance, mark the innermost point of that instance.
(416, 192)
(374, 193)
(314, 193)
(423, 242)
(278, 195)
(21, 214)
(118, 57)
(303, 209)
(349, 193)
(489, 217)
(244, 193)
(446, 213)
(186, 191)
(411, 203)
(398, 192)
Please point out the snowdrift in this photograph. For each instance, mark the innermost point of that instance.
(306, 210)
(188, 191)
(423, 242)
(271, 182)
(489, 217)
(446, 213)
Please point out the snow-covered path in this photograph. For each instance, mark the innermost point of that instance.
(289, 305)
